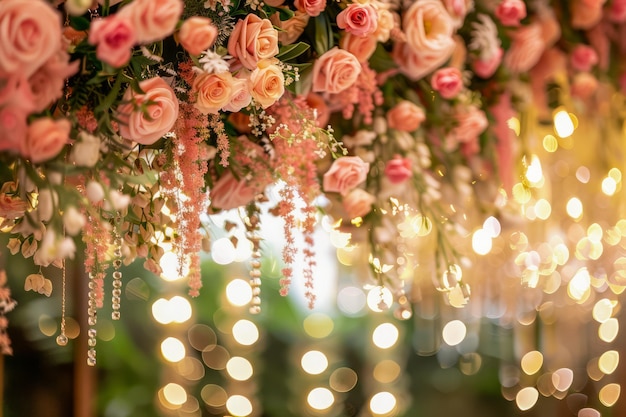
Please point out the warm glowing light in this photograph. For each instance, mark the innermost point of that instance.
(608, 361)
(239, 368)
(223, 251)
(170, 265)
(351, 300)
(492, 227)
(543, 209)
(320, 398)
(386, 371)
(609, 394)
(239, 292)
(245, 332)
(579, 284)
(343, 379)
(383, 403)
(314, 362)
(562, 379)
(385, 335)
(588, 412)
(609, 186)
(213, 395)
(615, 174)
(526, 398)
(532, 362)
(574, 208)
(175, 394)
(239, 406)
(563, 124)
(534, 173)
(583, 174)
(318, 325)
(481, 242)
(180, 309)
(521, 193)
(173, 349)
(607, 332)
(454, 332)
(550, 143)
(602, 310)
(379, 299)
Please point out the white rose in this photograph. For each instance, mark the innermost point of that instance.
(73, 221)
(86, 151)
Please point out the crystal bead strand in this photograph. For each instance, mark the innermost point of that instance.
(252, 225)
(62, 337)
(91, 321)
(117, 274)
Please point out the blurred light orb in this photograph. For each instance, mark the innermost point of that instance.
(239, 292)
(383, 403)
(239, 368)
(379, 299)
(574, 208)
(534, 173)
(608, 361)
(492, 227)
(532, 362)
(223, 251)
(173, 349)
(175, 394)
(239, 406)
(526, 398)
(481, 242)
(562, 379)
(607, 332)
(385, 335)
(314, 362)
(563, 124)
(318, 325)
(170, 265)
(161, 311)
(181, 309)
(320, 398)
(245, 332)
(351, 300)
(602, 310)
(609, 186)
(609, 394)
(454, 332)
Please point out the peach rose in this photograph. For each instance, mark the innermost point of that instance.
(458, 9)
(398, 170)
(16, 103)
(114, 37)
(386, 22)
(31, 33)
(405, 116)
(11, 205)
(471, 122)
(526, 49)
(310, 7)
(290, 29)
(583, 58)
(485, 68)
(153, 20)
(335, 71)
(252, 40)
(586, 13)
(229, 192)
(197, 34)
(511, 12)
(48, 81)
(146, 117)
(345, 174)
(448, 82)
(213, 91)
(429, 29)
(358, 203)
(360, 19)
(45, 139)
(584, 85)
(362, 47)
(240, 95)
(268, 83)
(416, 65)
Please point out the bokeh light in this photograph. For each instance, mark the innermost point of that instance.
(320, 398)
(314, 362)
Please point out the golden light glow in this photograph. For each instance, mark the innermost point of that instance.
(239, 292)
(579, 285)
(550, 143)
(588, 412)
(314, 362)
(481, 242)
(174, 394)
(534, 172)
(526, 398)
(608, 361)
(343, 379)
(609, 186)
(532, 362)
(574, 208)
(609, 394)
(170, 264)
(454, 332)
(239, 406)
(173, 349)
(239, 368)
(320, 398)
(387, 371)
(492, 227)
(543, 209)
(563, 124)
(223, 251)
(318, 325)
(379, 299)
(385, 335)
(607, 332)
(175, 310)
(602, 310)
(562, 379)
(351, 300)
(383, 403)
(213, 395)
(245, 332)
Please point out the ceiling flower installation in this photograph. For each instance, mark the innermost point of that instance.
(465, 158)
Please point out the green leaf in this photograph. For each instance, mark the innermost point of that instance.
(284, 13)
(289, 52)
(79, 22)
(323, 34)
(111, 97)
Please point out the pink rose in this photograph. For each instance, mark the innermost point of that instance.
(16, 103)
(45, 139)
(153, 20)
(526, 49)
(429, 30)
(583, 58)
(213, 91)
(358, 203)
(398, 169)
(586, 13)
(485, 68)
(310, 7)
(240, 95)
(252, 40)
(197, 34)
(617, 12)
(362, 47)
(471, 122)
(345, 174)
(229, 192)
(386, 21)
(360, 19)
(511, 12)
(31, 33)
(458, 9)
(405, 116)
(267, 84)
(146, 117)
(448, 82)
(114, 38)
(48, 81)
(584, 85)
(335, 71)
(290, 29)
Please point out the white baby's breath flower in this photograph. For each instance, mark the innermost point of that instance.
(485, 38)
(214, 63)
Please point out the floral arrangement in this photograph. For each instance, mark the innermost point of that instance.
(123, 122)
